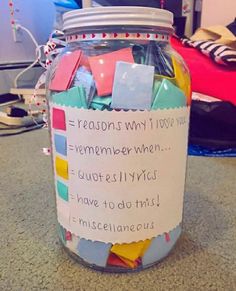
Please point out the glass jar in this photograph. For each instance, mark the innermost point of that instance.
(119, 99)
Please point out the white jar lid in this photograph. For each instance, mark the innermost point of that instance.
(117, 15)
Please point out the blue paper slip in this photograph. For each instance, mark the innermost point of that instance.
(60, 144)
(94, 252)
(83, 78)
(175, 233)
(73, 243)
(159, 247)
(132, 87)
(168, 96)
(75, 97)
(62, 190)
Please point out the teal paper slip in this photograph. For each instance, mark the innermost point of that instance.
(168, 96)
(101, 103)
(62, 190)
(75, 97)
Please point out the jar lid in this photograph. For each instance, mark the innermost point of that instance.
(117, 16)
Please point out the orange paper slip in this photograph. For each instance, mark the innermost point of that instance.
(103, 68)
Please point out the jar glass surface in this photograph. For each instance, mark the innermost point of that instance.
(114, 70)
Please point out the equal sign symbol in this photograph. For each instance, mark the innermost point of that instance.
(73, 219)
(71, 122)
(72, 172)
(72, 197)
(71, 147)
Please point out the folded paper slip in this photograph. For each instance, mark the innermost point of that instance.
(114, 260)
(65, 72)
(131, 251)
(75, 97)
(132, 87)
(181, 79)
(103, 68)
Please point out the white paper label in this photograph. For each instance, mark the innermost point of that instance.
(126, 172)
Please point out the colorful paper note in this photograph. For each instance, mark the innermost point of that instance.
(103, 68)
(131, 251)
(73, 243)
(62, 190)
(182, 79)
(114, 260)
(61, 168)
(97, 106)
(74, 97)
(159, 247)
(167, 236)
(65, 71)
(131, 264)
(132, 87)
(60, 144)
(68, 235)
(101, 103)
(168, 96)
(94, 252)
(83, 78)
(102, 100)
(84, 62)
(146, 245)
(58, 119)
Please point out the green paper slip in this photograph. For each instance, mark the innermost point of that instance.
(102, 100)
(168, 96)
(97, 106)
(75, 97)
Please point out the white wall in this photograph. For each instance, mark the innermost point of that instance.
(37, 16)
(218, 12)
(189, 17)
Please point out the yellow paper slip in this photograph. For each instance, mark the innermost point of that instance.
(131, 264)
(61, 168)
(181, 79)
(131, 251)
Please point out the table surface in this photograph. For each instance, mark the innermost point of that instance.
(31, 257)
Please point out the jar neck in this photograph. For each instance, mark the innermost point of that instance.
(119, 33)
(119, 29)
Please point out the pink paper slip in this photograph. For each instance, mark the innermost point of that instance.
(65, 72)
(58, 119)
(103, 68)
(84, 62)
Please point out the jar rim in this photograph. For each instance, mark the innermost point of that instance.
(117, 16)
